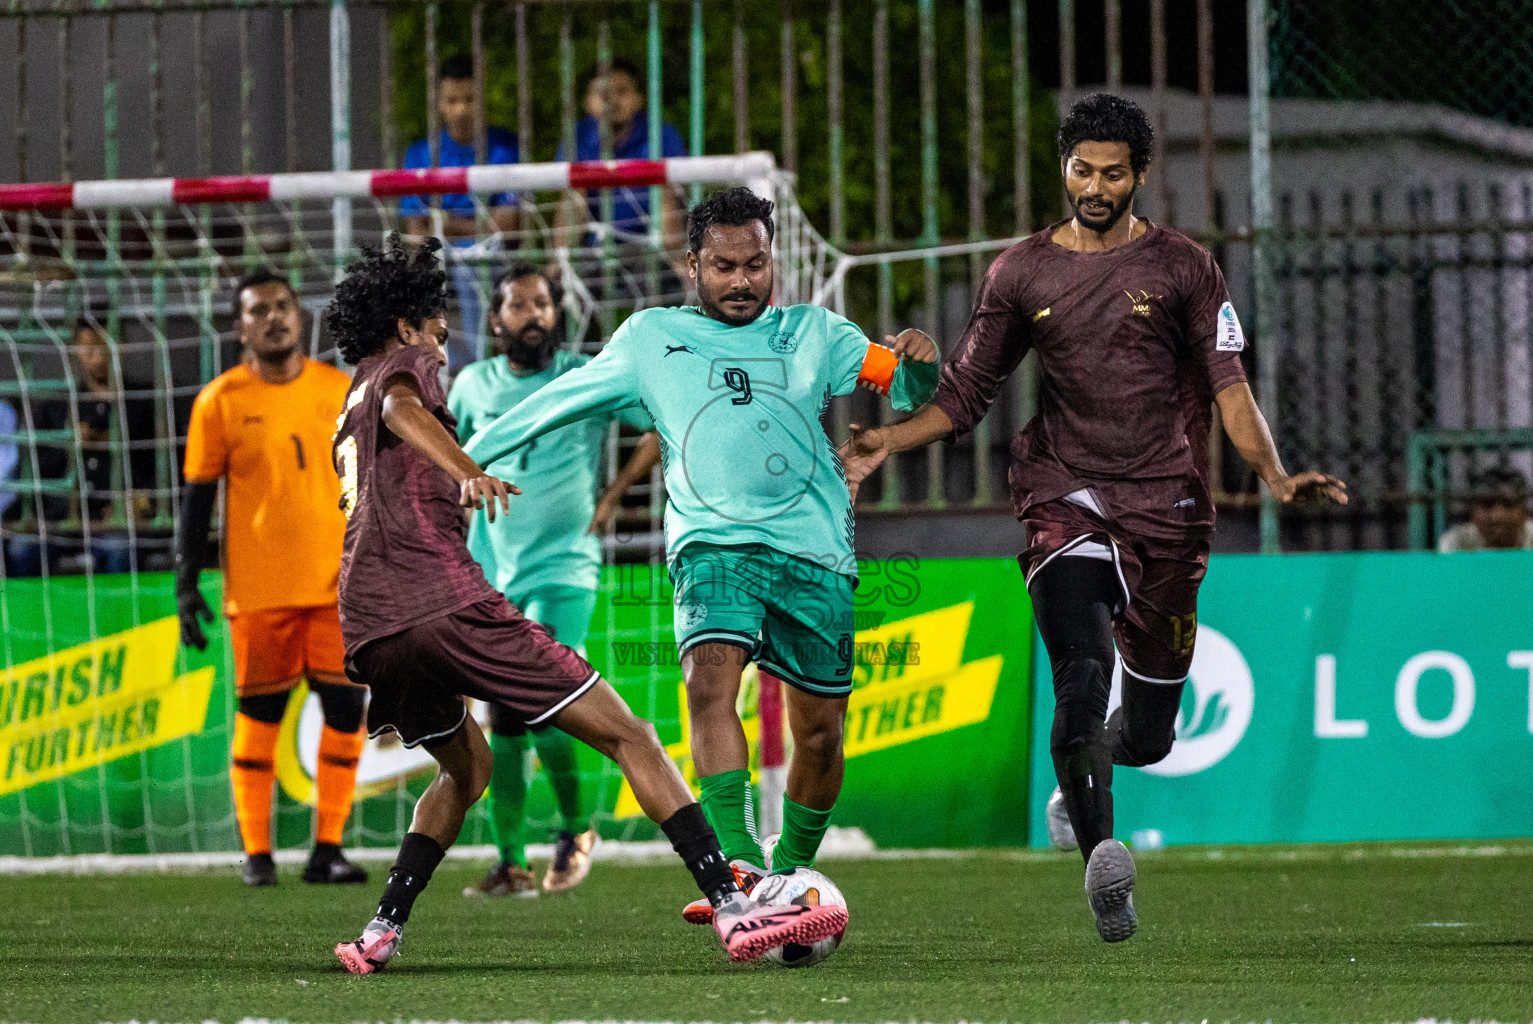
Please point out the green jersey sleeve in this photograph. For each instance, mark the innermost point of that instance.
(604, 386)
(848, 349)
(912, 384)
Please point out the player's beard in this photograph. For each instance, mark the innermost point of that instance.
(1096, 222)
(531, 347)
(276, 353)
(712, 305)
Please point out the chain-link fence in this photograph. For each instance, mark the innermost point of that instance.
(1403, 190)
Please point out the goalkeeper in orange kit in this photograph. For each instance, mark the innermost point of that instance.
(265, 428)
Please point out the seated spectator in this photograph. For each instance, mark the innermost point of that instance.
(122, 482)
(111, 476)
(1498, 515)
(623, 96)
(457, 98)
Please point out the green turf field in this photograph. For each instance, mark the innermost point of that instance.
(1360, 933)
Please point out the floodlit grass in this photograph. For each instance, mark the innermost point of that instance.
(1358, 933)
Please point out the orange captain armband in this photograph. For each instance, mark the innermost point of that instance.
(877, 373)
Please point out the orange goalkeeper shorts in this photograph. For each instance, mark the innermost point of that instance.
(275, 647)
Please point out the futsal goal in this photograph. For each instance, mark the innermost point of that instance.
(115, 310)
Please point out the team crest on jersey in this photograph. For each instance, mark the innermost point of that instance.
(690, 616)
(1142, 302)
(783, 342)
(1230, 337)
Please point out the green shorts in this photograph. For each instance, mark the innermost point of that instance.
(565, 612)
(792, 617)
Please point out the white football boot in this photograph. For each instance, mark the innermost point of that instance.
(1061, 832)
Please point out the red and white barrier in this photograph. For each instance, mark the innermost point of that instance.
(750, 168)
(773, 775)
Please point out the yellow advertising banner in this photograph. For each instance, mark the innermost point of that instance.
(86, 705)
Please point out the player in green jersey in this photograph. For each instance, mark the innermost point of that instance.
(547, 566)
(759, 528)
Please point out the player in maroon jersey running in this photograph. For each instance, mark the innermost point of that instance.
(1136, 339)
(424, 628)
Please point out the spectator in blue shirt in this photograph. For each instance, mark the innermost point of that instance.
(619, 90)
(10, 454)
(457, 99)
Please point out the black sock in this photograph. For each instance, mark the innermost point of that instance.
(325, 853)
(1084, 771)
(1142, 731)
(695, 843)
(419, 855)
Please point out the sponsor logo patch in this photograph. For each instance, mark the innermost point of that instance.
(1229, 336)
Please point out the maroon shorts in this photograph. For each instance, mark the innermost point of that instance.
(1156, 624)
(488, 650)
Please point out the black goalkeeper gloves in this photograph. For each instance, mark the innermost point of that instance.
(191, 606)
(191, 538)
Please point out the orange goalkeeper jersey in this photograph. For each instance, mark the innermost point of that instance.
(283, 526)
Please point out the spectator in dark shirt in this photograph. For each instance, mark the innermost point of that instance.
(457, 99)
(1498, 515)
(112, 457)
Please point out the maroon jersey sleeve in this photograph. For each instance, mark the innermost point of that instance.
(417, 367)
(992, 345)
(1209, 324)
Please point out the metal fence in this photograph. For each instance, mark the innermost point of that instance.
(1400, 253)
(1372, 221)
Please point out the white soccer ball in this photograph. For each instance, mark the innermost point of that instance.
(806, 888)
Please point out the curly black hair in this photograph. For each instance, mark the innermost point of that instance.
(1103, 117)
(731, 207)
(386, 285)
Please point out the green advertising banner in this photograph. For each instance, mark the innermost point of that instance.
(1340, 697)
(116, 739)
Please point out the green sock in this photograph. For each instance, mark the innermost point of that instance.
(803, 829)
(508, 795)
(727, 803)
(556, 749)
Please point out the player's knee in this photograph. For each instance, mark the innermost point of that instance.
(342, 705)
(1085, 670)
(477, 778)
(1143, 730)
(616, 735)
(1082, 685)
(1077, 724)
(710, 694)
(266, 707)
(1148, 742)
(635, 732)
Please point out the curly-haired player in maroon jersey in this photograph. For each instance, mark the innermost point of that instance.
(1136, 340)
(424, 628)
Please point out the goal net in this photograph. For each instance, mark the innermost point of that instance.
(115, 310)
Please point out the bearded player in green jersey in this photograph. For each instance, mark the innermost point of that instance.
(759, 528)
(548, 566)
